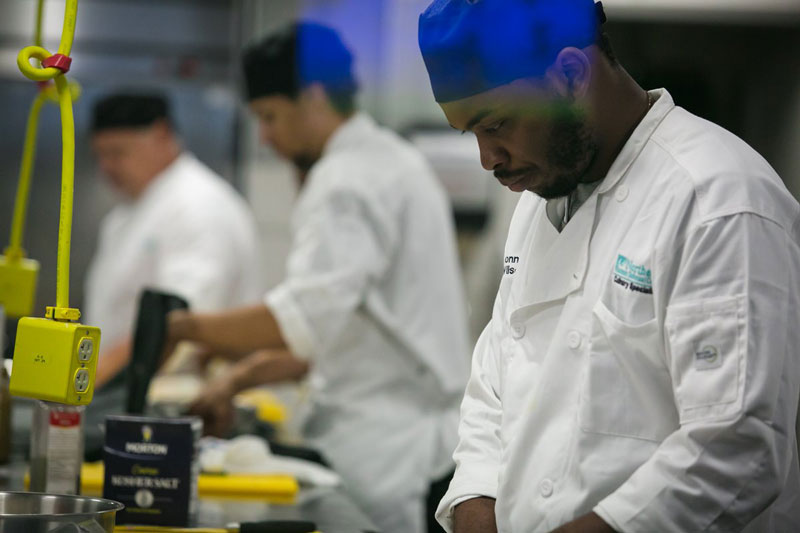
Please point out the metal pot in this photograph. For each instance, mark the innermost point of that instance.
(33, 512)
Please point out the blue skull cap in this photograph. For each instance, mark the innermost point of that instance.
(471, 46)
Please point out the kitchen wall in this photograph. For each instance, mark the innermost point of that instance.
(182, 47)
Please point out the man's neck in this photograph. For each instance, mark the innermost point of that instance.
(325, 130)
(330, 126)
(164, 163)
(620, 105)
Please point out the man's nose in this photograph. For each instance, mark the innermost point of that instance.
(493, 156)
(265, 134)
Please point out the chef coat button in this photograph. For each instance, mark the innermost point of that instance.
(517, 330)
(622, 193)
(546, 487)
(573, 339)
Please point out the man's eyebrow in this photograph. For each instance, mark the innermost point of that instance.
(480, 115)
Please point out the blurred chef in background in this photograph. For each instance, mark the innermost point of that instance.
(640, 372)
(372, 306)
(180, 227)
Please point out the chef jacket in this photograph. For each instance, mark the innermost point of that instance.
(188, 234)
(374, 299)
(643, 363)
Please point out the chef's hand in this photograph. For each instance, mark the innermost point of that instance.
(215, 407)
(175, 324)
(588, 523)
(201, 359)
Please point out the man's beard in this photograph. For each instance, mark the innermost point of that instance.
(571, 150)
(303, 162)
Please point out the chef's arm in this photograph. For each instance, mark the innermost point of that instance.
(265, 367)
(473, 490)
(730, 323)
(241, 330)
(475, 516)
(338, 250)
(112, 362)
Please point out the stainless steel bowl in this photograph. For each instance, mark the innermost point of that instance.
(33, 512)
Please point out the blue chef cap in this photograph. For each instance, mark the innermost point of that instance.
(296, 56)
(471, 46)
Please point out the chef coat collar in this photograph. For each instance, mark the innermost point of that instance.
(160, 183)
(662, 105)
(352, 131)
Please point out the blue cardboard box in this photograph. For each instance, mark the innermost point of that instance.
(151, 467)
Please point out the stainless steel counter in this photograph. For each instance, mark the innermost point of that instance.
(331, 509)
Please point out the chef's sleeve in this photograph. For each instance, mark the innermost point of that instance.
(343, 241)
(198, 260)
(731, 311)
(478, 453)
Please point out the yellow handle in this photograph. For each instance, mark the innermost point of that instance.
(167, 529)
(164, 529)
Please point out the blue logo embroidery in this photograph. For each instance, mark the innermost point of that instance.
(631, 276)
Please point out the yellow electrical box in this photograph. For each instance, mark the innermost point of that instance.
(55, 361)
(18, 285)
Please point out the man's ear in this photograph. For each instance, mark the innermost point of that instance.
(314, 95)
(162, 129)
(571, 73)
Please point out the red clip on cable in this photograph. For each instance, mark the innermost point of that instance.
(59, 61)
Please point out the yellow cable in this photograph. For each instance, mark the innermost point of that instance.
(67, 188)
(37, 36)
(37, 52)
(15, 251)
(61, 309)
(68, 31)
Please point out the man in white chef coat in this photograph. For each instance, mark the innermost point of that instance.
(372, 306)
(640, 371)
(179, 228)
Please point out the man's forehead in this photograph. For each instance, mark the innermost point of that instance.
(119, 135)
(269, 102)
(464, 114)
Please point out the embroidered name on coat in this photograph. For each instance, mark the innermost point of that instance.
(509, 262)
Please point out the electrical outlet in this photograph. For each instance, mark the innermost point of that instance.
(85, 349)
(81, 380)
(55, 361)
(18, 285)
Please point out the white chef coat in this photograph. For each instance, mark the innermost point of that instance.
(643, 363)
(189, 234)
(373, 297)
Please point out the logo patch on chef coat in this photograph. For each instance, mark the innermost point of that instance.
(707, 357)
(636, 278)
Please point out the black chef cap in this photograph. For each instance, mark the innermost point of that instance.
(129, 110)
(295, 57)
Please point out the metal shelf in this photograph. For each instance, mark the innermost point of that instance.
(748, 12)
